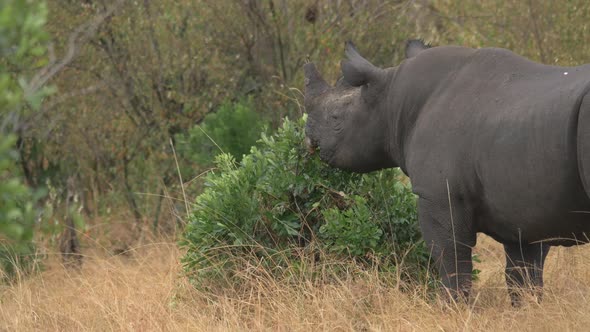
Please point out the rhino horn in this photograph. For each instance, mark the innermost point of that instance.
(315, 85)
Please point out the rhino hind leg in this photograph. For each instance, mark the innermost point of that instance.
(524, 269)
(583, 142)
(450, 243)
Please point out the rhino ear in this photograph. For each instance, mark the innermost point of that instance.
(415, 46)
(357, 70)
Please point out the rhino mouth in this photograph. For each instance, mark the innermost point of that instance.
(311, 145)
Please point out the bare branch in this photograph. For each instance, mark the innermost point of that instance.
(76, 40)
(72, 94)
(156, 48)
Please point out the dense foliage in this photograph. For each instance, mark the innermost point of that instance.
(279, 198)
(131, 77)
(144, 72)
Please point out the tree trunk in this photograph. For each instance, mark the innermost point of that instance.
(70, 245)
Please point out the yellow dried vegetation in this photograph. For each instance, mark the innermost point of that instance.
(144, 290)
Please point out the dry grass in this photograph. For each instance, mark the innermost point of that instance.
(145, 292)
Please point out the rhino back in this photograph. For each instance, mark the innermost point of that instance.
(502, 131)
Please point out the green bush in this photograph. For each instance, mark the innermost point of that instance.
(17, 215)
(351, 230)
(21, 49)
(232, 129)
(280, 200)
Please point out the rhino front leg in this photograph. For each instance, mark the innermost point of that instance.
(524, 269)
(450, 241)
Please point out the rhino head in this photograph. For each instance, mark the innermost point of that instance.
(356, 123)
(348, 122)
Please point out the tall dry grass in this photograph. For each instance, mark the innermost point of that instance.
(145, 291)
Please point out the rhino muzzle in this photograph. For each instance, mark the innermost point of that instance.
(311, 146)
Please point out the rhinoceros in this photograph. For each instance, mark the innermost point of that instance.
(492, 142)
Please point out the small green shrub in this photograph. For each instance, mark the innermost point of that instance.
(233, 129)
(351, 230)
(22, 49)
(17, 215)
(279, 200)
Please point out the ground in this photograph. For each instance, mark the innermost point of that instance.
(144, 290)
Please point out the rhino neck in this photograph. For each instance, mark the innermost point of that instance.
(403, 111)
(416, 83)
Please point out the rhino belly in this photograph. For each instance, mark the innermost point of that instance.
(529, 180)
(560, 225)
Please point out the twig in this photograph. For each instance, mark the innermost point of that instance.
(76, 39)
(180, 178)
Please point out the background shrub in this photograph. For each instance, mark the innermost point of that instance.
(232, 129)
(280, 200)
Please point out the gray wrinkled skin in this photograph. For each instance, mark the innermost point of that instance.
(492, 142)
